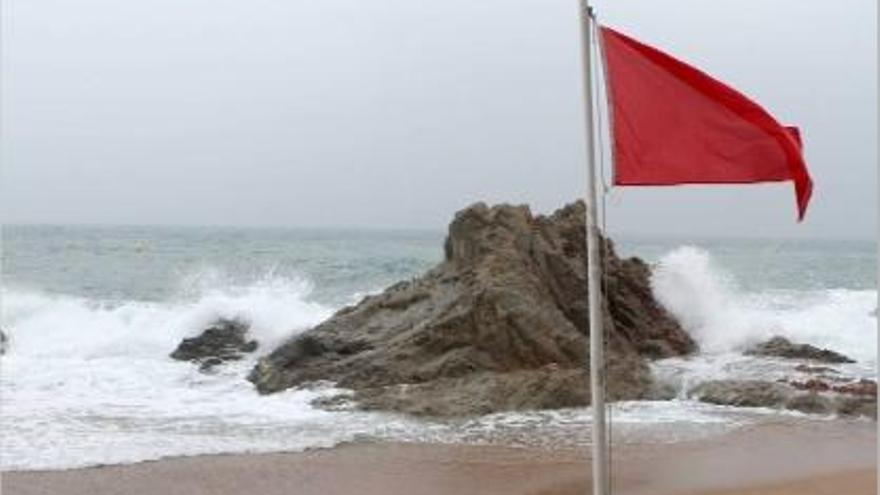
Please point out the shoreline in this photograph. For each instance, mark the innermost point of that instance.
(816, 458)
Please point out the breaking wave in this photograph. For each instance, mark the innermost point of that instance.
(40, 324)
(710, 305)
(83, 377)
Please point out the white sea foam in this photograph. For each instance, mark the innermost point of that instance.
(723, 318)
(87, 382)
(48, 325)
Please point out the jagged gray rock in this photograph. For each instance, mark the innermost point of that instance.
(499, 324)
(784, 348)
(816, 370)
(785, 395)
(225, 340)
(743, 393)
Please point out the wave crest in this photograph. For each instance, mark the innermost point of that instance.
(710, 305)
(44, 324)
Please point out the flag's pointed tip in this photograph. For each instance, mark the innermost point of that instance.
(803, 192)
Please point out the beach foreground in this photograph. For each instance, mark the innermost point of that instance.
(808, 458)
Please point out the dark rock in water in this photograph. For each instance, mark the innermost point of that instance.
(4, 342)
(813, 397)
(500, 324)
(862, 388)
(743, 393)
(811, 403)
(856, 406)
(818, 370)
(225, 340)
(813, 385)
(784, 348)
(208, 364)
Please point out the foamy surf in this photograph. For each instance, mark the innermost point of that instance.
(722, 318)
(42, 324)
(89, 381)
(725, 320)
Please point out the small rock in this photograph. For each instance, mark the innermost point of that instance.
(863, 387)
(225, 340)
(856, 406)
(743, 393)
(812, 397)
(816, 370)
(208, 364)
(811, 403)
(784, 348)
(812, 385)
(340, 402)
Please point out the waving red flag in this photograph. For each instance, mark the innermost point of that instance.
(673, 124)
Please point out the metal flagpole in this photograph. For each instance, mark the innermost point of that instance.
(597, 341)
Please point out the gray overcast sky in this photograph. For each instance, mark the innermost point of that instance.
(396, 113)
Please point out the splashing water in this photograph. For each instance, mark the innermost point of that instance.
(724, 320)
(81, 377)
(91, 319)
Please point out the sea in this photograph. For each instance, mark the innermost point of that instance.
(92, 314)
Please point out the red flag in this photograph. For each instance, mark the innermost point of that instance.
(673, 124)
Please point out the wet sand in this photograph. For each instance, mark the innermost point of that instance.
(811, 458)
(849, 482)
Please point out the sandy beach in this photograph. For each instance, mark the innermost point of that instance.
(812, 458)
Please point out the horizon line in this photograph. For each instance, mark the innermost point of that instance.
(434, 230)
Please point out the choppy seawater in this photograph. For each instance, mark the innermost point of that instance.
(92, 314)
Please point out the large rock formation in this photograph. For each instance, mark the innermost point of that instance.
(500, 323)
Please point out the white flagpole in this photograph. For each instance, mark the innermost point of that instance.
(597, 334)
